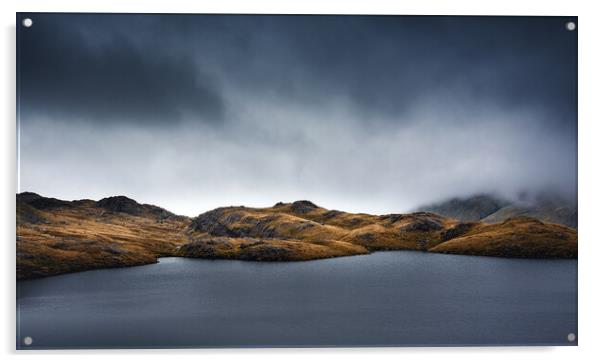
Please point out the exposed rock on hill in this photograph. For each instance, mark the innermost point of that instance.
(303, 206)
(42, 203)
(121, 204)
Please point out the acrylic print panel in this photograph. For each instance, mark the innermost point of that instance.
(296, 181)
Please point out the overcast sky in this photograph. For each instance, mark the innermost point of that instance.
(360, 113)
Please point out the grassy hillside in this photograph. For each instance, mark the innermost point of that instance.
(55, 236)
(515, 237)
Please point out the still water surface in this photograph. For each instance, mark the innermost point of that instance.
(387, 298)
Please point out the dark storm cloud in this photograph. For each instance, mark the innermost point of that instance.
(151, 67)
(71, 69)
(388, 64)
(363, 113)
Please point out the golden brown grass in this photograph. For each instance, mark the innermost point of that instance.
(515, 237)
(84, 237)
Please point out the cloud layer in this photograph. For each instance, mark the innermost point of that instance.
(377, 114)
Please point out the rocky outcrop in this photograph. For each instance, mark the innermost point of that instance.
(36, 201)
(303, 206)
(122, 204)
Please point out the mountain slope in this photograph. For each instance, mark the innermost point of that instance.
(468, 209)
(490, 209)
(552, 211)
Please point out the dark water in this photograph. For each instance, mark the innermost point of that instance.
(389, 298)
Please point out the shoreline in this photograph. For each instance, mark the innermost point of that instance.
(157, 261)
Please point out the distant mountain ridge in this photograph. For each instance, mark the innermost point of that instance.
(468, 209)
(56, 236)
(115, 204)
(491, 209)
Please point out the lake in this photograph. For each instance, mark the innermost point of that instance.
(383, 299)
